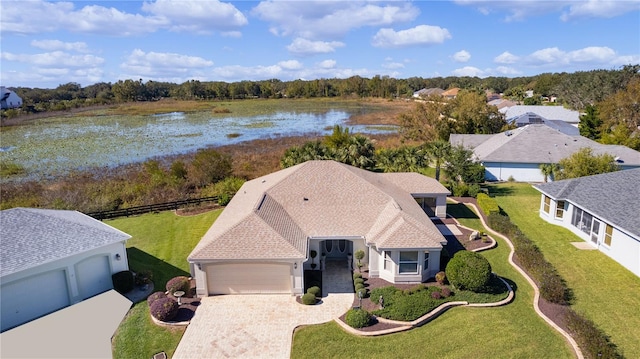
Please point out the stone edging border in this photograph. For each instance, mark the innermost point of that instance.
(169, 324)
(427, 317)
(536, 290)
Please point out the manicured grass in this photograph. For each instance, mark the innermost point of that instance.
(604, 291)
(161, 243)
(511, 331)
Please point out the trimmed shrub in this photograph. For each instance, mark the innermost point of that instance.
(315, 290)
(357, 275)
(593, 342)
(143, 277)
(436, 295)
(446, 292)
(364, 291)
(309, 299)
(155, 296)
(358, 281)
(358, 318)
(473, 190)
(178, 283)
(359, 286)
(487, 204)
(164, 309)
(469, 270)
(441, 277)
(122, 281)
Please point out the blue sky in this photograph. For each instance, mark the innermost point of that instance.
(48, 43)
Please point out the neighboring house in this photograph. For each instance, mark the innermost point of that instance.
(530, 118)
(603, 210)
(548, 112)
(428, 92)
(501, 103)
(9, 99)
(451, 93)
(519, 153)
(262, 240)
(51, 259)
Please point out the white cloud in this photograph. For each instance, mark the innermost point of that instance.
(330, 19)
(196, 15)
(468, 71)
(290, 65)
(140, 64)
(327, 64)
(461, 56)
(507, 71)
(393, 65)
(419, 35)
(301, 46)
(54, 59)
(599, 8)
(52, 45)
(506, 58)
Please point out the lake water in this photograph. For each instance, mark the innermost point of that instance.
(55, 146)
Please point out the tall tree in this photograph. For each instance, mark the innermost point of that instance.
(585, 163)
(622, 109)
(461, 167)
(590, 123)
(438, 150)
(472, 114)
(424, 122)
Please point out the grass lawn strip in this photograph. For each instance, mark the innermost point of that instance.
(604, 291)
(160, 242)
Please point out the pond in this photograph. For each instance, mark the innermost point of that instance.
(55, 146)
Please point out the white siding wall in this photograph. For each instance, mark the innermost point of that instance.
(521, 172)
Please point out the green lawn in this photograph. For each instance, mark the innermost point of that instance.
(160, 242)
(605, 291)
(511, 331)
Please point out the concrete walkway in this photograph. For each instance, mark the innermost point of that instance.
(261, 325)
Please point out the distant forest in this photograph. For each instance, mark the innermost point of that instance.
(574, 90)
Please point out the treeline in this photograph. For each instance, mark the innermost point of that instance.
(575, 90)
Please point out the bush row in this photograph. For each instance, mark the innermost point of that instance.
(593, 342)
(487, 204)
(531, 259)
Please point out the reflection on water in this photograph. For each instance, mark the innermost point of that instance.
(55, 147)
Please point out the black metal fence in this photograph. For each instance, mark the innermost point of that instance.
(158, 207)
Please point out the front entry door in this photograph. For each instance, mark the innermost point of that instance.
(336, 247)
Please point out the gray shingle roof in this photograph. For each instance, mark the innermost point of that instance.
(31, 237)
(272, 217)
(613, 197)
(538, 144)
(550, 112)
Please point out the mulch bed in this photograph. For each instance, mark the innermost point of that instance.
(189, 304)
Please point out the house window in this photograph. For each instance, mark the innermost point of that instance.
(582, 220)
(425, 265)
(560, 209)
(608, 233)
(387, 260)
(547, 204)
(408, 262)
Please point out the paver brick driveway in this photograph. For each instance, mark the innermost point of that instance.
(253, 326)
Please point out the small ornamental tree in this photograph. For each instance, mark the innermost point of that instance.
(359, 254)
(468, 270)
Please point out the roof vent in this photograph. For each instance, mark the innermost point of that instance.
(305, 199)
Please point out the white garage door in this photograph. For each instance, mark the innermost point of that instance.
(94, 276)
(247, 278)
(33, 297)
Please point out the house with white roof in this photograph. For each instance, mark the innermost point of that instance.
(9, 99)
(261, 242)
(519, 153)
(548, 112)
(603, 210)
(51, 259)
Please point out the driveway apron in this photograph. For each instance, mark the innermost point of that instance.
(259, 325)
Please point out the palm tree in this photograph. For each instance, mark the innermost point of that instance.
(438, 150)
(549, 170)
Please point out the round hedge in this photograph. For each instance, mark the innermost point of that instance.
(357, 275)
(309, 298)
(164, 309)
(178, 283)
(358, 318)
(358, 281)
(468, 270)
(155, 296)
(315, 290)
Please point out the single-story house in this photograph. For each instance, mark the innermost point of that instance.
(451, 93)
(425, 92)
(530, 118)
(603, 210)
(519, 153)
(52, 259)
(9, 99)
(261, 242)
(549, 112)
